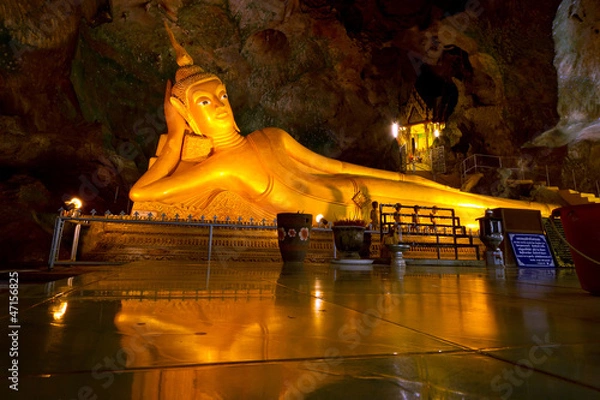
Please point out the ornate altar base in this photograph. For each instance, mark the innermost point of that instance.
(121, 241)
(223, 205)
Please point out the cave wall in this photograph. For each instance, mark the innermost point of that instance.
(331, 73)
(83, 82)
(576, 33)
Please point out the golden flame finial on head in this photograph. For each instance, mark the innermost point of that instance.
(188, 73)
(183, 58)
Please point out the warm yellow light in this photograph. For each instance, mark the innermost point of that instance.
(77, 204)
(470, 205)
(321, 221)
(395, 129)
(472, 229)
(318, 300)
(472, 226)
(436, 133)
(59, 311)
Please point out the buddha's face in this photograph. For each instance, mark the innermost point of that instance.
(209, 107)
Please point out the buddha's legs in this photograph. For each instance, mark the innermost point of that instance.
(468, 206)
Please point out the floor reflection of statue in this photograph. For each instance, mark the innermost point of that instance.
(205, 167)
(227, 323)
(183, 332)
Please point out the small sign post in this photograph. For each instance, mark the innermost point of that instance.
(531, 250)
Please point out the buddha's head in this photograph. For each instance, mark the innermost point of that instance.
(200, 97)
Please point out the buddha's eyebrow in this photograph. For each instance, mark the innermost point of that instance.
(202, 93)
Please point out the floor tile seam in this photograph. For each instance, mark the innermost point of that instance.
(254, 362)
(414, 330)
(20, 271)
(52, 298)
(516, 299)
(519, 282)
(446, 284)
(481, 350)
(528, 346)
(113, 298)
(463, 348)
(548, 285)
(549, 302)
(517, 364)
(445, 341)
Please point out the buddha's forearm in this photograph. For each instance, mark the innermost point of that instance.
(162, 167)
(206, 176)
(159, 190)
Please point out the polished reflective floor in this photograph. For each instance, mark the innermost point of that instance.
(161, 330)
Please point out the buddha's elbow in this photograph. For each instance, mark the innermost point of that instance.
(147, 193)
(137, 194)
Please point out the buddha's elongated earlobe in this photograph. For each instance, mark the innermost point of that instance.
(184, 112)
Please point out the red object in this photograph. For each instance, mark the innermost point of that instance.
(582, 230)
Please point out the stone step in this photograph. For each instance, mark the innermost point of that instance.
(591, 197)
(573, 197)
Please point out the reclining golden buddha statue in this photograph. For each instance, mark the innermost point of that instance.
(205, 167)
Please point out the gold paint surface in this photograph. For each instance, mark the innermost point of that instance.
(268, 171)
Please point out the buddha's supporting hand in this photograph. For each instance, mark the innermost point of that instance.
(176, 127)
(169, 157)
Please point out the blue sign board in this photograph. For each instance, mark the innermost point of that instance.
(531, 250)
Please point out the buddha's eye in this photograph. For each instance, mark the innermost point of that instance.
(224, 96)
(204, 102)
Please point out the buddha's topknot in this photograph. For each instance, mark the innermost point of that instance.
(188, 73)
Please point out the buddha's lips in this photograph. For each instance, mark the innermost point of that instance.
(222, 115)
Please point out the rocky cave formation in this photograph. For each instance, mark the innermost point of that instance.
(83, 84)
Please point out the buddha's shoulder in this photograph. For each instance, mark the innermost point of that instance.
(271, 134)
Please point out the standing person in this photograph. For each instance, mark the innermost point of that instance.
(375, 215)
